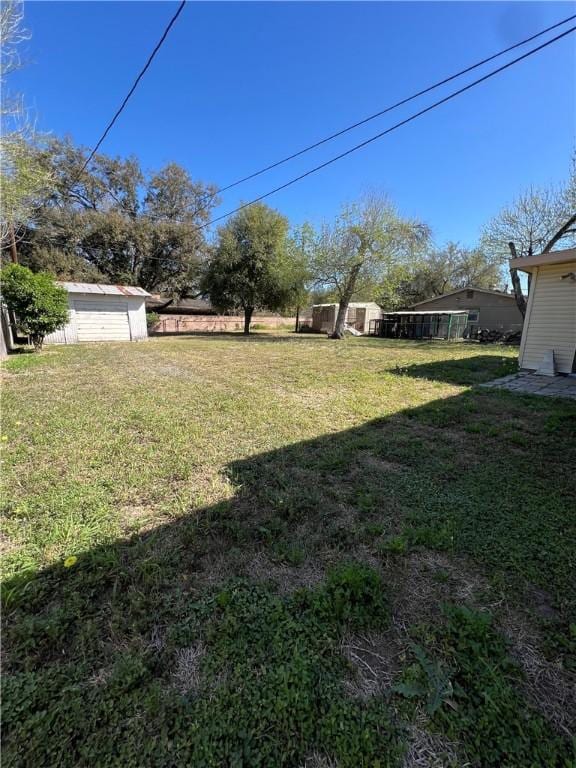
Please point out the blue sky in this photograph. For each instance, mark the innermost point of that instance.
(238, 85)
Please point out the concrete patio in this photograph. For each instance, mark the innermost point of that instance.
(527, 383)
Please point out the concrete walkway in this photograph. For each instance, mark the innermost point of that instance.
(533, 384)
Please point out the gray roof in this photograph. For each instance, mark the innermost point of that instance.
(430, 312)
(462, 290)
(104, 290)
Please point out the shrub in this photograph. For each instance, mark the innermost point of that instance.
(40, 305)
(151, 319)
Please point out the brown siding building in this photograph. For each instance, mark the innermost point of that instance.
(494, 310)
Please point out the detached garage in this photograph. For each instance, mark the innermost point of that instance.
(103, 313)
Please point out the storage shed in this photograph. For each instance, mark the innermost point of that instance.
(549, 334)
(102, 313)
(358, 316)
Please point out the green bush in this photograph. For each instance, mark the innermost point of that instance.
(40, 305)
(151, 319)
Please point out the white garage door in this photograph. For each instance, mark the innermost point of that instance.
(102, 319)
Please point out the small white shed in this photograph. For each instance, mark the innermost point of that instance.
(549, 334)
(358, 316)
(103, 313)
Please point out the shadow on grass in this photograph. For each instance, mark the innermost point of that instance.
(92, 649)
(473, 370)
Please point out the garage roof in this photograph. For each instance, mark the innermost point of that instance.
(100, 288)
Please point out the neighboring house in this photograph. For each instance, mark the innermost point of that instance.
(550, 324)
(494, 310)
(358, 316)
(102, 313)
(163, 306)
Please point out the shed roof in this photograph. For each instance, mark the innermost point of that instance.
(104, 290)
(527, 263)
(461, 290)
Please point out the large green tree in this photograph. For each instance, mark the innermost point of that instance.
(40, 305)
(365, 252)
(252, 267)
(128, 226)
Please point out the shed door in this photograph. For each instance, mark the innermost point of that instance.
(104, 319)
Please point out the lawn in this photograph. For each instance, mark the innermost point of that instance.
(285, 551)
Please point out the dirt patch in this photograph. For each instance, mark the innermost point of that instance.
(369, 461)
(186, 675)
(316, 760)
(286, 578)
(375, 659)
(549, 686)
(430, 750)
(422, 581)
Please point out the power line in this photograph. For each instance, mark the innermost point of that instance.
(131, 91)
(392, 107)
(362, 144)
(389, 130)
(365, 120)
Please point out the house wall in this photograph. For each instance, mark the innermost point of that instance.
(551, 318)
(497, 312)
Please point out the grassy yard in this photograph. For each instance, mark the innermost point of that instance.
(285, 551)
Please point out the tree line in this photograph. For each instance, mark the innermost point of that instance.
(111, 221)
(115, 223)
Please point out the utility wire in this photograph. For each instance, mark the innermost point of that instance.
(355, 148)
(365, 120)
(416, 115)
(392, 107)
(130, 92)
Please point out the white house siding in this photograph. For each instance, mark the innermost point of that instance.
(551, 320)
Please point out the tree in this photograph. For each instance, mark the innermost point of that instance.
(144, 229)
(364, 251)
(448, 269)
(62, 265)
(40, 305)
(251, 267)
(536, 222)
(24, 173)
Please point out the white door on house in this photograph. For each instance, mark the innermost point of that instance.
(102, 319)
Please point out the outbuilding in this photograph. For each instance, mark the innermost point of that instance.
(494, 310)
(102, 313)
(358, 316)
(549, 336)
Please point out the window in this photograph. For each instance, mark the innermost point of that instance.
(473, 315)
(469, 294)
